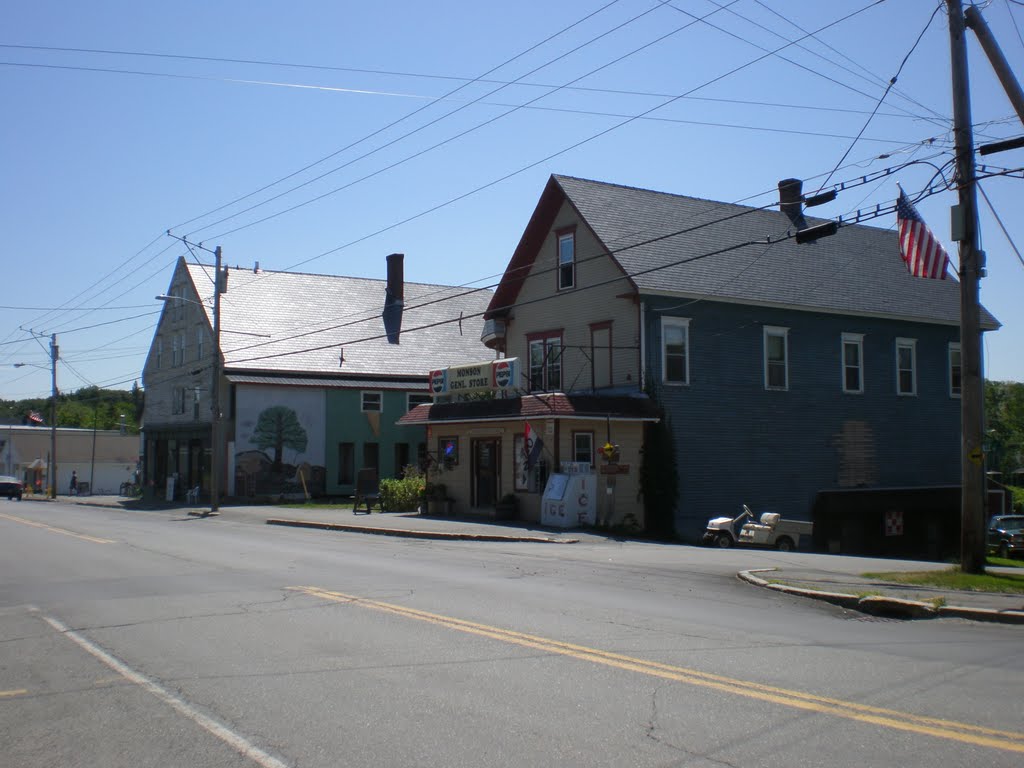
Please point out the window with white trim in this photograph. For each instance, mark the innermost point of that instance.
(175, 353)
(583, 447)
(776, 357)
(853, 363)
(675, 350)
(906, 366)
(955, 369)
(546, 364)
(372, 402)
(200, 338)
(566, 260)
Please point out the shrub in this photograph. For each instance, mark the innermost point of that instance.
(403, 495)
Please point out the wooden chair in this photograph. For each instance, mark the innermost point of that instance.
(367, 491)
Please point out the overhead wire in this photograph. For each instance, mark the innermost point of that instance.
(874, 77)
(586, 17)
(566, 149)
(999, 221)
(405, 117)
(445, 289)
(601, 254)
(881, 99)
(792, 62)
(441, 143)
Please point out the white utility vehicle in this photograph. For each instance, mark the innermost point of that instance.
(745, 529)
(773, 531)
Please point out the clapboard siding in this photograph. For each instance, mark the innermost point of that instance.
(739, 443)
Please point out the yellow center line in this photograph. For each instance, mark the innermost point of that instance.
(9, 694)
(54, 529)
(888, 718)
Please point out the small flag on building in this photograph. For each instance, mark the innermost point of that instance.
(532, 445)
(920, 249)
(35, 417)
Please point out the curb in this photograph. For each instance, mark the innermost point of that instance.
(410, 534)
(882, 605)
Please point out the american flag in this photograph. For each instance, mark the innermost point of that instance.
(920, 249)
(35, 416)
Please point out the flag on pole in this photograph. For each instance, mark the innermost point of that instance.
(532, 445)
(35, 416)
(919, 248)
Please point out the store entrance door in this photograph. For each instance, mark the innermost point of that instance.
(485, 471)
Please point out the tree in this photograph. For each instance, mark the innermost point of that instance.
(1004, 429)
(278, 427)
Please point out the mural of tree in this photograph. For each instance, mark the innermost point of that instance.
(278, 427)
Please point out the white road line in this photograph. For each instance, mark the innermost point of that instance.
(222, 732)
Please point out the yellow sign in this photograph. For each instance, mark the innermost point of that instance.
(976, 456)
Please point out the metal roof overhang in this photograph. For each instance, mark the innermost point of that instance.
(329, 383)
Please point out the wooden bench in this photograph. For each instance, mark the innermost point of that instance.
(367, 491)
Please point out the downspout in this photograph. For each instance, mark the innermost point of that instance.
(643, 347)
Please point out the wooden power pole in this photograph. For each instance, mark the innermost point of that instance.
(965, 217)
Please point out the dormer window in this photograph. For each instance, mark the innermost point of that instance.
(566, 260)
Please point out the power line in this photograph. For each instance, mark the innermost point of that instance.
(1002, 226)
(562, 151)
(860, 217)
(459, 78)
(877, 78)
(402, 119)
(428, 124)
(783, 58)
(892, 82)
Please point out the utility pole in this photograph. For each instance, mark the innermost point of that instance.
(974, 20)
(972, 519)
(54, 352)
(215, 441)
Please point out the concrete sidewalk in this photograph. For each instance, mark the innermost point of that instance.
(406, 524)
(835, 580)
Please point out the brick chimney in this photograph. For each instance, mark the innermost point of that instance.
(394, 297)
(791, 201)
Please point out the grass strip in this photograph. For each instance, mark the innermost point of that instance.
(953, 578)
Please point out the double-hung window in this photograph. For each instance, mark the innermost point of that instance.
(675, 350)
(372, 401)
(159, 353)
(955, 370)
(200, 334)
(583, 447)
(906, 366)
(853, 363)
(566, 260)
(546, 362)
(776, 357)
(175, 353)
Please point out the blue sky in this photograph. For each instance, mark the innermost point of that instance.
(103, 151)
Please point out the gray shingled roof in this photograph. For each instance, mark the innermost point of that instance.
(288, 307)
(856, 271)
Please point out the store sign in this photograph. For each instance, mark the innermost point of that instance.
(490, 376)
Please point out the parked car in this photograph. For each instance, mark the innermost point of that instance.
(10, 487)
(1006, 535)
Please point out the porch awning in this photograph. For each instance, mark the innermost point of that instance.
(554, 405)
(37, 464)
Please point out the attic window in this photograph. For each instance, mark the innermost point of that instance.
(372, 401)
(566, 260)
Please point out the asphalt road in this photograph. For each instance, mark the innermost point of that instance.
(155, 639)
